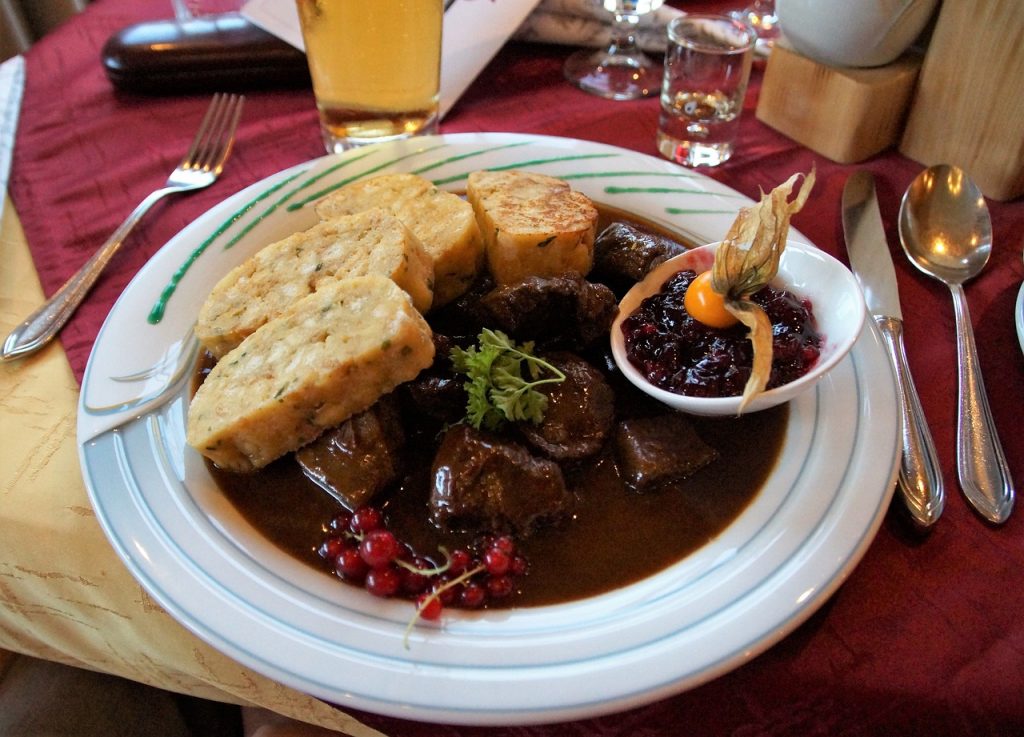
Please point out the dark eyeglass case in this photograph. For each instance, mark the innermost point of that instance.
(216, 53)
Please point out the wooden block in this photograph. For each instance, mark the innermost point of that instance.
(969, 105)
(846, 114)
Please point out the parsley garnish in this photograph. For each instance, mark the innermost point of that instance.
(497, 389)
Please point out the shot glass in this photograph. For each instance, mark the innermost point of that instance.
(707, 67)
(376, 73)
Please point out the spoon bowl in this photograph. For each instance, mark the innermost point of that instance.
(945, 225)
(946, 232)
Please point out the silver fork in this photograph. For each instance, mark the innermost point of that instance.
(200, 168)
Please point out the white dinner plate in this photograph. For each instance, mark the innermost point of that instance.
(711, 612)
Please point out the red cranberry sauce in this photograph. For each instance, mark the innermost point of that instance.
(680, 354)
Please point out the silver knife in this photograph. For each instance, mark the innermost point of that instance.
(920, 480)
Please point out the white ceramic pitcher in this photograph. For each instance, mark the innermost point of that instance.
(853, 33)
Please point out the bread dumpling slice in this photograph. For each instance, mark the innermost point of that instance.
(443, 221)
(532, 224)
(331, 356)
(278, 275)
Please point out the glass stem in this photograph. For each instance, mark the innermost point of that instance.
(624, 34)
(182, 11)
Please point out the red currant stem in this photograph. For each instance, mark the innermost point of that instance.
(436, 594)
(435, 571)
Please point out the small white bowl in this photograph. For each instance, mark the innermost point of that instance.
(806, 272)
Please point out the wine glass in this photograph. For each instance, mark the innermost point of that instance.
(184, 10)
(761, 15)
(622, 71)
(187, 10)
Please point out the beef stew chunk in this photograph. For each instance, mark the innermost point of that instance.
(358, 458)
(463, 317)
(438, 392)
(580, 412)
(624, 254)
(655, 451)
(565, 310)
(440, 397)
(481, 482)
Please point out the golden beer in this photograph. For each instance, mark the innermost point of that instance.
(375, 65)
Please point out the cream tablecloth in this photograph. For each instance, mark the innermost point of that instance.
(67, 596)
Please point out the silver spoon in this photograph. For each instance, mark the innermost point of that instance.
(946, 232)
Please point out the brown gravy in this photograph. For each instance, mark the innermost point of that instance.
(616, 536)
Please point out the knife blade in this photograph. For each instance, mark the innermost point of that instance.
(920, 480)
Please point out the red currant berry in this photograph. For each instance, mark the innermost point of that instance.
(383, 581)
(473, 596)
(447, 594)
(350, 565)
(497, 561)
(505, 544)
(429, 607)
(458, 561)
(519, 566)
(331, 548)
(414, 582)
(340, 522)
(378, 548)
(407, 553)
(498, 587)
(366, 519)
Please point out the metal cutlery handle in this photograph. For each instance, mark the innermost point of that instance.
(920, 479)
(39, 328)
(981, 463)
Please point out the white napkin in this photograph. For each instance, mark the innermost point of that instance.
(587, 23)
(12, 84)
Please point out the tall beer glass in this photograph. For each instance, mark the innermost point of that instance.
(376, 67)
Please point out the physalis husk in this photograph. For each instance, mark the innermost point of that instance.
(747, 260)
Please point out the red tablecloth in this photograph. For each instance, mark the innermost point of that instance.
(926, 636)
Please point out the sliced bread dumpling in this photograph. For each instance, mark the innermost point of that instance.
(443, 221)
(532, 224)
(330, 356)
(275, 277)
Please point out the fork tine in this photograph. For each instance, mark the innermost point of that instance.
(216, 134)
(199, 141)
(232, 115)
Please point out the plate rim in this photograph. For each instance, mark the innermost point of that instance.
(1018, 317)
